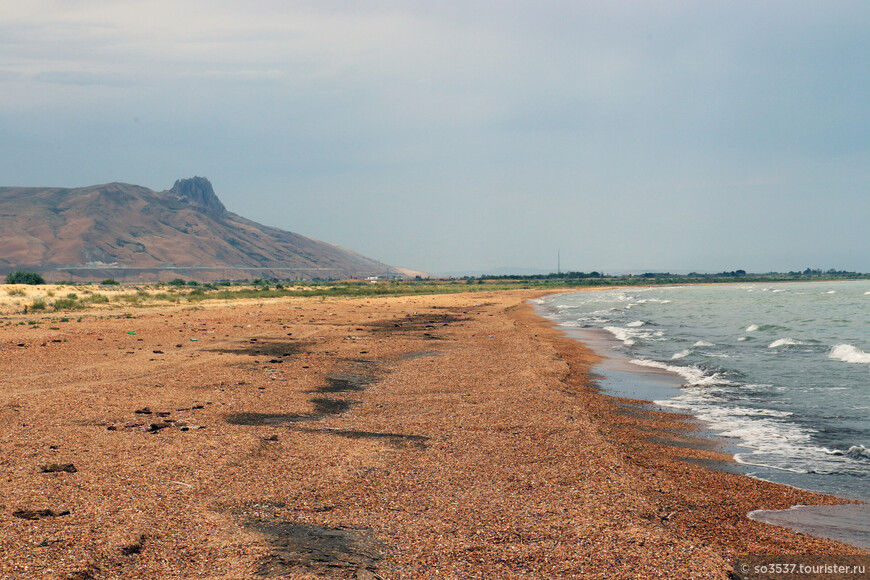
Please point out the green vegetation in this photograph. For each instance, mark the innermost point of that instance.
(67, 304)
(181, 291)
(166, 297)
(95, 299)
(129, 299)
(109, 282)
(22, 277)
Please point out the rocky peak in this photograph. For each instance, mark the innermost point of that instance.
(197, 191)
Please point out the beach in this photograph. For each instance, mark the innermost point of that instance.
(444, 436)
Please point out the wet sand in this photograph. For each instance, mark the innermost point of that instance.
(451, 436)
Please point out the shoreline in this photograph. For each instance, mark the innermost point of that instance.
(648, 387)
(679, 443)
(439, 436)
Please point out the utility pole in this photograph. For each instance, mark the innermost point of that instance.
(558, 262)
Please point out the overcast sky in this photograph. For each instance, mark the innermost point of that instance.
(459, 135)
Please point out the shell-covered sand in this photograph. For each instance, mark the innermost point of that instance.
(447, 436)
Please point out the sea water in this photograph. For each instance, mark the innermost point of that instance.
(782, 371)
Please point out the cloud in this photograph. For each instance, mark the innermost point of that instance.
(547, 119)
(79, 78)
(9, 76)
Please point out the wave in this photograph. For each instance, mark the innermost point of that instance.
(784, 342)
(767, 432)
(630, 336)
(681, 354)
(702, 344)
(636, 323)
(623, 334)
(694, 376)
(602, 312)
(855, 452)
(850, 354)
(765, 328)
(620, 334)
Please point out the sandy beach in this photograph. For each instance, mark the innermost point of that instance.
(446, 436)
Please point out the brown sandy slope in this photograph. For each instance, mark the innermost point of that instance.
(134, 234)
(424, 437)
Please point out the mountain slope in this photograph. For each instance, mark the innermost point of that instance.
(143, 234)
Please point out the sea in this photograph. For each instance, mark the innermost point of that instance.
(778, 372)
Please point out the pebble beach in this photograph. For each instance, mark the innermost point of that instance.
(443, 436)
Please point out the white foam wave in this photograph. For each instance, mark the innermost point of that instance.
(703, 344)
(769, 434)
(766, 431)
(623, 334)
(692, 375)
(602, 312)
(752, 328)
(858, 451)
(635, 324)
(850, 354)
(784, 342)
(742, 339)
(855, 452)
(681, 354)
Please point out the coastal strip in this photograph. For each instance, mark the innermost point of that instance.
(444, 436)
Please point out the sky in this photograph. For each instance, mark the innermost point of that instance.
(455, 136)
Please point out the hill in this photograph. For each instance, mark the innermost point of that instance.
(132, 233)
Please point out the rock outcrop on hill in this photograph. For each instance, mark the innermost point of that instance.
(132, 233)
(198, 192)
